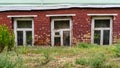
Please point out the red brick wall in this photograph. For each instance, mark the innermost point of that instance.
(81, 23)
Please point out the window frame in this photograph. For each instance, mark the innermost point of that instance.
(23, 29)
(60, 30)
(101, 29)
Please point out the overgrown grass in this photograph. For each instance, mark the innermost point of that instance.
(97, 60)
(81, 61)
(117, 50)
(51, 50)
(85, 45)
(10, 60)
(83, 55)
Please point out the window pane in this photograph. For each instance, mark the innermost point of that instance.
(61, 24)
(24, 24)
(29, 37)
(20, 38)
(102, 23)
(97, 37)
(57, 33)
(66, 38)
(106, 34)
(57, 41)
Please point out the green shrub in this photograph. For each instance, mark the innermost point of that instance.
(81, 61)
(84, 45)
(11, 42)
(6, 38)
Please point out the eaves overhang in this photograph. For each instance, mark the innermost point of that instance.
(32, 8)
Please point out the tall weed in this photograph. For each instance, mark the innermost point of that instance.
(47, 58)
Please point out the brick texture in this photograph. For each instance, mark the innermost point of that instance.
(81, 28)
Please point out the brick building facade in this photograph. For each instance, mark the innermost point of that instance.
(66, 26)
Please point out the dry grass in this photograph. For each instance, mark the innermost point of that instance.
(63, 57)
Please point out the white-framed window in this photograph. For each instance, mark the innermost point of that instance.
(24, 31)
(101, 30)
(61, 31)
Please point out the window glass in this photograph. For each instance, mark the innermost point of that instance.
(24, 24)
(20, 38)
(102, 23)
(61, 24)
(29, 37)
(106, 34)
(97, 34)
(57, 41)
(66, 38)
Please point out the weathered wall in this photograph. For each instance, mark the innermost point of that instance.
(81, 23)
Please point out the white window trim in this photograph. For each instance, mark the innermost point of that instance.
(52, 30)
(101, 29)
(23, 29)
(102, 14)
(54, 15)
(9, 16)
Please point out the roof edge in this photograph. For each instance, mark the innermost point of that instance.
(30, 8)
